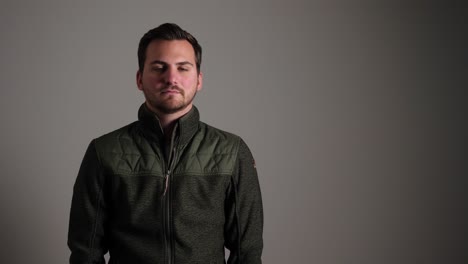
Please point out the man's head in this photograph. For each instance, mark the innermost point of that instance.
(167, 31)
(169, 70)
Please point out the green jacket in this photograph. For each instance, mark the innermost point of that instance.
(145, 206)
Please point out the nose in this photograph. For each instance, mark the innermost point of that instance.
(171, 76)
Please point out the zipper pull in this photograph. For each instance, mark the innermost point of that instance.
(166, 182)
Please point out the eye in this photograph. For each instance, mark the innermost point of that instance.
(158, 68)
(183, 68)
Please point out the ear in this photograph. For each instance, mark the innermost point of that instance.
(139, 82)
(200, 81)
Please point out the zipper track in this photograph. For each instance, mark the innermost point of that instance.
(167, 217)
(167, 200)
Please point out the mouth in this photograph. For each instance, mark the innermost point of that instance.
(171, 91)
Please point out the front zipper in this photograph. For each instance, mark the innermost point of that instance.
(166, 219)
(166, 182)
(167, 201)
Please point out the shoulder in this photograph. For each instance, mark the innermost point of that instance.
(222, 139)
(237, 146)
(115, 139)
(215, 133)
(209, 141)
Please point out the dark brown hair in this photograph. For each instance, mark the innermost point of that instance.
(167, 31)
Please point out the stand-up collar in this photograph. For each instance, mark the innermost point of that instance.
(187, 124)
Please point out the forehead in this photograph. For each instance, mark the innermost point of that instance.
(170, 51)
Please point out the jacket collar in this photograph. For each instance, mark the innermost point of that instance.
(187, 125)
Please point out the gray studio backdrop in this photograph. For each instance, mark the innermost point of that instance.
(352, 111)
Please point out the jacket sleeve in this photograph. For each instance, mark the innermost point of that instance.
(244, 212)
(88, 215)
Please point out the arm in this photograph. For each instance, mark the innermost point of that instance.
(244, 212)
(86, 234)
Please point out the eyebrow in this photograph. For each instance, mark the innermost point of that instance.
(178, 63)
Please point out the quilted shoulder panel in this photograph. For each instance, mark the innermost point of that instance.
(126, 151)
(211, 151)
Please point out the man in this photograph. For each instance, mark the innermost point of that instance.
(167, 188)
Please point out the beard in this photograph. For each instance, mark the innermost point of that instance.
(170, 103)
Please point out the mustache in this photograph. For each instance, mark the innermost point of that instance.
(172, 88)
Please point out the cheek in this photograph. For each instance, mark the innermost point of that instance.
(152, 80)
(190, 83)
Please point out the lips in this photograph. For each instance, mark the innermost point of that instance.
(172, 90)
